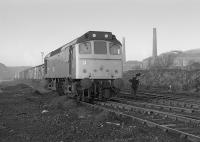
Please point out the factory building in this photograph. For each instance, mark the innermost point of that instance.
(170, 60)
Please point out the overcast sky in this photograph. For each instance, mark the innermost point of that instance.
(28, 27)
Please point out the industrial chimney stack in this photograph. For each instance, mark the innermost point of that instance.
(154, 43)
(124, 50)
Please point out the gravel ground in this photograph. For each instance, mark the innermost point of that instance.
(29, 115)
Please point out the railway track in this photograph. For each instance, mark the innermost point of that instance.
(176, 103)
(163, 99)
(187, 127)
(150, 95)
(179, 113)
(183, 110)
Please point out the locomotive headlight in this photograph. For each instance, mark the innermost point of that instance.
(106, 35)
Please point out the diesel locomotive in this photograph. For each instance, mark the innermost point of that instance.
(87, 68)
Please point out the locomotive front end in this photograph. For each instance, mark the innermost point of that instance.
(99, 62)
(99, 57)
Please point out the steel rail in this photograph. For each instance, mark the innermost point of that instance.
(160, 113)
(148, 95)
(181, 109)
(167, 101)
(166, 128)
(177, 103)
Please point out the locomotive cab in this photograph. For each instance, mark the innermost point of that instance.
(99, 59)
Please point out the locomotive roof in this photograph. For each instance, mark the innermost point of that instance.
(90, 35)
(98, 35)
(32, 67)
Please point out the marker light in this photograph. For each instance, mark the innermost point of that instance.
(94, 35)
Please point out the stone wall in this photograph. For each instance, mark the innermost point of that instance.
(179, 80)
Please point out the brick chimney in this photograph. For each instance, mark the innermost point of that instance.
(154, 54)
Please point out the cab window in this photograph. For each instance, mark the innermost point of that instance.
(114, 49)
(85, 48)
(100, 47)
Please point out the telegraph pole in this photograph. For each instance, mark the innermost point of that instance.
(42, 54)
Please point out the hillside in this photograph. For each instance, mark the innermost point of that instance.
(7, 73)
(14, 70)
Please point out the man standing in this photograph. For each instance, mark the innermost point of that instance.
(134, 84)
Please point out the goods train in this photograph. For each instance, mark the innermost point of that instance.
(87, 68)
(35, 73)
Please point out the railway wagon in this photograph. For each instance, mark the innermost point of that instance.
(39, 72)
(88, 68)
(34, 73)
